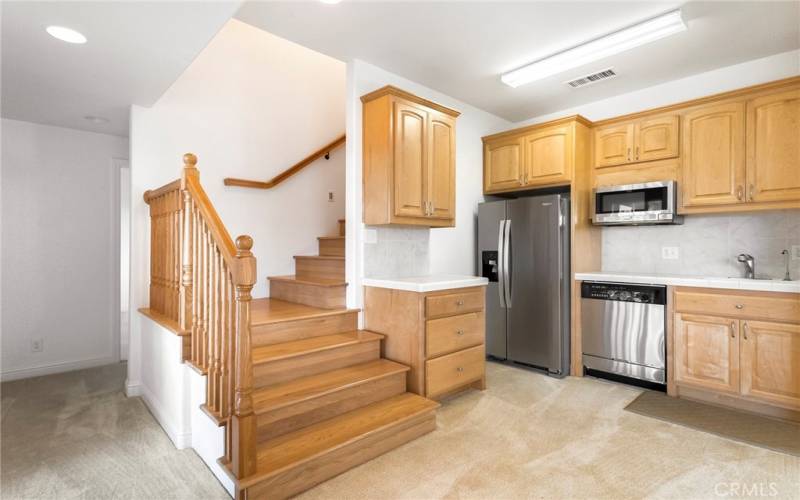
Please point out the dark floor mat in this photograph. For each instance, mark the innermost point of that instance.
(760, 431)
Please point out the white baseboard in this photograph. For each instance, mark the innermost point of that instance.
(38, 371)
(180, 439)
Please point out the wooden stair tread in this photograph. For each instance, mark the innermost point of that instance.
(267, 310)
(320, 257)
(274, 352)
(308, 280)
(330, 237)
(309, 442)
(273, 397)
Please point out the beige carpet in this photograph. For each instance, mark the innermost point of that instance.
(753, 429)
(76, 435)
(527, 436)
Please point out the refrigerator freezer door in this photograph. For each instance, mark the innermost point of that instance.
(490, 229)
(534, 319)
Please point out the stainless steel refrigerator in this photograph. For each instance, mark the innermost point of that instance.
(523, 248)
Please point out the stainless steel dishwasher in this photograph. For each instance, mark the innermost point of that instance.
(623, 328)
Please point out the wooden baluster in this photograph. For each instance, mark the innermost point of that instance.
(220, 322)
(195, 283)
(201, 315)
(213, 366)
(243, 422)
(185, 292)
(176, 256)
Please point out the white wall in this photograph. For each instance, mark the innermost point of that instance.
(249, 106)
(59, 281)
(450, 250)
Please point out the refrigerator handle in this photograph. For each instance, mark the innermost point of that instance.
(506, 259)
(500, 270)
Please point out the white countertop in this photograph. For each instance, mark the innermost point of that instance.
(429, 283)
(772, 285)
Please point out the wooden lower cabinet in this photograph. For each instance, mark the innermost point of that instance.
(707, 352)
(747, 359)
(440, 335)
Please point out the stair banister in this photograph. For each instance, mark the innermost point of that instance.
(201, 283)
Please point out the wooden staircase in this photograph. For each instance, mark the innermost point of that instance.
(303, 394)
(324, 399)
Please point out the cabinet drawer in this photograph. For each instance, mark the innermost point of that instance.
(453, 303)
(453, 333)
(446, 373)
(754, 305)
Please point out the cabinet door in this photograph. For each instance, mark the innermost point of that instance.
(707, 352)
(441, 174)
(410, 159)
(548, 155)
(713, 155)
(773, 147)
(502, 165)
(770, 362)
(613, 145)
(656, 138)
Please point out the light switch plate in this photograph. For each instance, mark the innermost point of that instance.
(795, 252)
(370, 236)
(670, 253)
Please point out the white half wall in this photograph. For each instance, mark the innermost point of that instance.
(249, 106)
(449, 250)
(59, 257)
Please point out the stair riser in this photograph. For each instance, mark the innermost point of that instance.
(284, 370)
(331, 247)
(319, 268)
(287, 331)
(293, 480)
(289, 418)
(326, 297)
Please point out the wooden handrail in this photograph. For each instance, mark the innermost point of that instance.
(324, 151)
(201, 281)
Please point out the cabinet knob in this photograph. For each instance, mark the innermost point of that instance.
(752, 192)
(637, 152)
(739, 306)
(459, 332)
(629, 154)
(459, 303)
(739, 191)
(459, 369)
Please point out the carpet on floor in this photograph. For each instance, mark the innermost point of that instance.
(765, 432)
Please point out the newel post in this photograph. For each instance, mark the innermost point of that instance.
(185, 299)
(243, 421)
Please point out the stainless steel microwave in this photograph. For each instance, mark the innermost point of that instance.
(636, 204)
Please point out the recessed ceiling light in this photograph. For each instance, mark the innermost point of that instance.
(66, 34)
(95, 119)
(330, 2)
(614, 43)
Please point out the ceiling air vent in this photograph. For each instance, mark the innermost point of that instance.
(593, 78)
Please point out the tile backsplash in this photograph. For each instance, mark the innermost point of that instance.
(708, 245)
(399, 252)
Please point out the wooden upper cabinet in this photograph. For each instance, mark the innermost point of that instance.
(441, 180)
(409, 154)
(539, 155)
(548, 155)
(502, 165)
(770, 362)
(656, 138)
(410, 130)
(613, 145)
(706, 352)
(713, 155)
(773, 147)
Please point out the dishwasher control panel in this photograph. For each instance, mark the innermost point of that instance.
(624, 292)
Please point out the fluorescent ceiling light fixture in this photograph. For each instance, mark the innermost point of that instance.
(600, 48)
(66, 34)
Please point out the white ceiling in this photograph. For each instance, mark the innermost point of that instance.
(461, 49)
(135, 51)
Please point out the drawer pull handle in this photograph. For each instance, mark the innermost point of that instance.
(459, 369)
(745, 331)
(739, 306)
(459, 303)
(733, 330)
(459, 332)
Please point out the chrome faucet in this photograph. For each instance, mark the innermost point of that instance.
(785, 254)
(749, 265)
